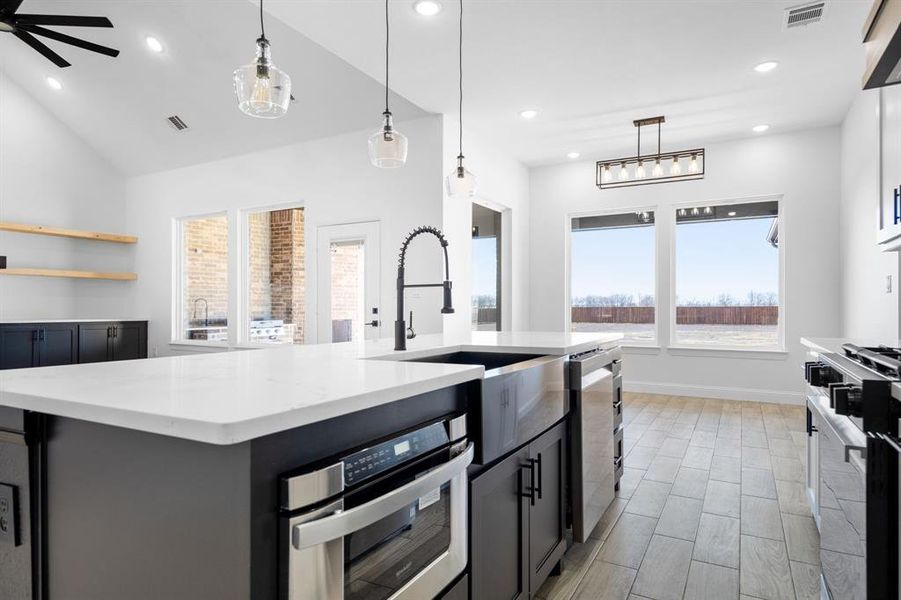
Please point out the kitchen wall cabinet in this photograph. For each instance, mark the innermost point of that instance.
(518, 519)
(24, 345)
(890, 167)
(38, 345)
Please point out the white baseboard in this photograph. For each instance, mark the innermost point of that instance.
(711, 391)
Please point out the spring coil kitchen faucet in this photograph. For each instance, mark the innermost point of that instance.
(400, 326)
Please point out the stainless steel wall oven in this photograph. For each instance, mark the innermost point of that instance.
(386, 521)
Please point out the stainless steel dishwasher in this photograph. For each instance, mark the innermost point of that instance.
(595, 388)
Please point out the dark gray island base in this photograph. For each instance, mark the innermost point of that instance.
(112, 513)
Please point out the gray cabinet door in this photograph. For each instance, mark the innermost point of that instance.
(130, 340)
(547, 516)
(18, 346)
(500, 530)
(94, 342)
(58, 344)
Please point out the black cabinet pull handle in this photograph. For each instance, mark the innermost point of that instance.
(530, 494)
(540, 478)
(43, 334)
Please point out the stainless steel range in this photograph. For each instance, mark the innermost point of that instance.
(853, 449)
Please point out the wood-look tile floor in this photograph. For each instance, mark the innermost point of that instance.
(712, 505)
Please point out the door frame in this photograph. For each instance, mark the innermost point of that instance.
(367, 231)
(504, 263)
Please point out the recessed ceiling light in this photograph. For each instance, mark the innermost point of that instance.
(573, 155)
(54, 83)
(528, 114)
(731, 213)
(154, 44)
(760, 128)
(427, 8)
(766, 67)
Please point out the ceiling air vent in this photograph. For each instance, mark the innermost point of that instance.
(805, 14)
(176, 122)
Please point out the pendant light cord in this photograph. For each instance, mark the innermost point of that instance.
(461, 79)
(387, 41)
(262, 28)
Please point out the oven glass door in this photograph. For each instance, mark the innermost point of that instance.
(842, 503)
(400, 536)
(383, 557)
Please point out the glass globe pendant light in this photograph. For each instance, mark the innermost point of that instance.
(461, 182)
(387, 146)
(263, 90)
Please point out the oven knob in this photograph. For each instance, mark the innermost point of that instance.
(848, 401)
(821, 375)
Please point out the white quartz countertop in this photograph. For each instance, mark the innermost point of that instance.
(28, 321)
(834, 345)
(231, 397)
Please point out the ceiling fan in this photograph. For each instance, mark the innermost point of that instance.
(25, 27)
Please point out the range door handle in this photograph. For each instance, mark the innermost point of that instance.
(343, 522)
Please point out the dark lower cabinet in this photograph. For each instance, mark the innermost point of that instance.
(48, 344)
(518, 520)
(38, 345)
(101, 342)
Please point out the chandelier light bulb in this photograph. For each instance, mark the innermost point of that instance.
(263, 90)
(623, 172)
(708, 210)
(658, 170)
(639, 171)
(695, 212)
(693, 164)
(681, 212)
(676, 169)
(606, 176)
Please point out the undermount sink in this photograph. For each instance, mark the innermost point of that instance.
(489, 360)
(520, 397)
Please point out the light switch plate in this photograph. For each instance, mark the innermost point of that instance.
(9, 516)
(888, 284)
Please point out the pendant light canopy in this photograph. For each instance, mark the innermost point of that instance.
(461, 182)
(263, 90)
(387, 146)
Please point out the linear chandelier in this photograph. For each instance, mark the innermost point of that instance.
(642, 169)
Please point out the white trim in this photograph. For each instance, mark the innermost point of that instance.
(727, 352)
(567, 259)
(711, 391)
(242, 328)
(178, 260)
(781, 326)
(639, 349)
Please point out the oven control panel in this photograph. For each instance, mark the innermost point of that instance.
(377, 459)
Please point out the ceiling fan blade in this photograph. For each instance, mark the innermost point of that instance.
(8, 7)
(52, 56)
(64, 20)
(68, 39)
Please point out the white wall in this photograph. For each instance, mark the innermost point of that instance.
(336, 184)
(868, 312)
(503, 185)
(803, 167)
(49, 176)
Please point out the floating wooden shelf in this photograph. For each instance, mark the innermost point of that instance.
(70, 273)
(68, 233)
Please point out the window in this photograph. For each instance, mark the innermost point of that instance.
(612, 280)
(203, 306)
(276, 276)
(486, 269)
(727, 276)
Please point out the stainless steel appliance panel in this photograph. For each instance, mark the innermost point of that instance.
(592, 383)
(842, 505)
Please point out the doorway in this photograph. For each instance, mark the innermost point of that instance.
(486, 268)
(348, 290)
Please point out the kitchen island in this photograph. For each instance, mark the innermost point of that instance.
(159, 478)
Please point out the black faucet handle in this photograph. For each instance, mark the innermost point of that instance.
(448, 308)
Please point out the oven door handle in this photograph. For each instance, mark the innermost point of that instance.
(342, 523)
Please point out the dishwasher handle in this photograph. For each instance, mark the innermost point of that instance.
(344, 522)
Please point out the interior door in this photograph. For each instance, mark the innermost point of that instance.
(94, 341)
(348, 282)
(547, 516)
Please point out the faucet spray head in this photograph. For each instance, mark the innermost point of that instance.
(448, 308)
